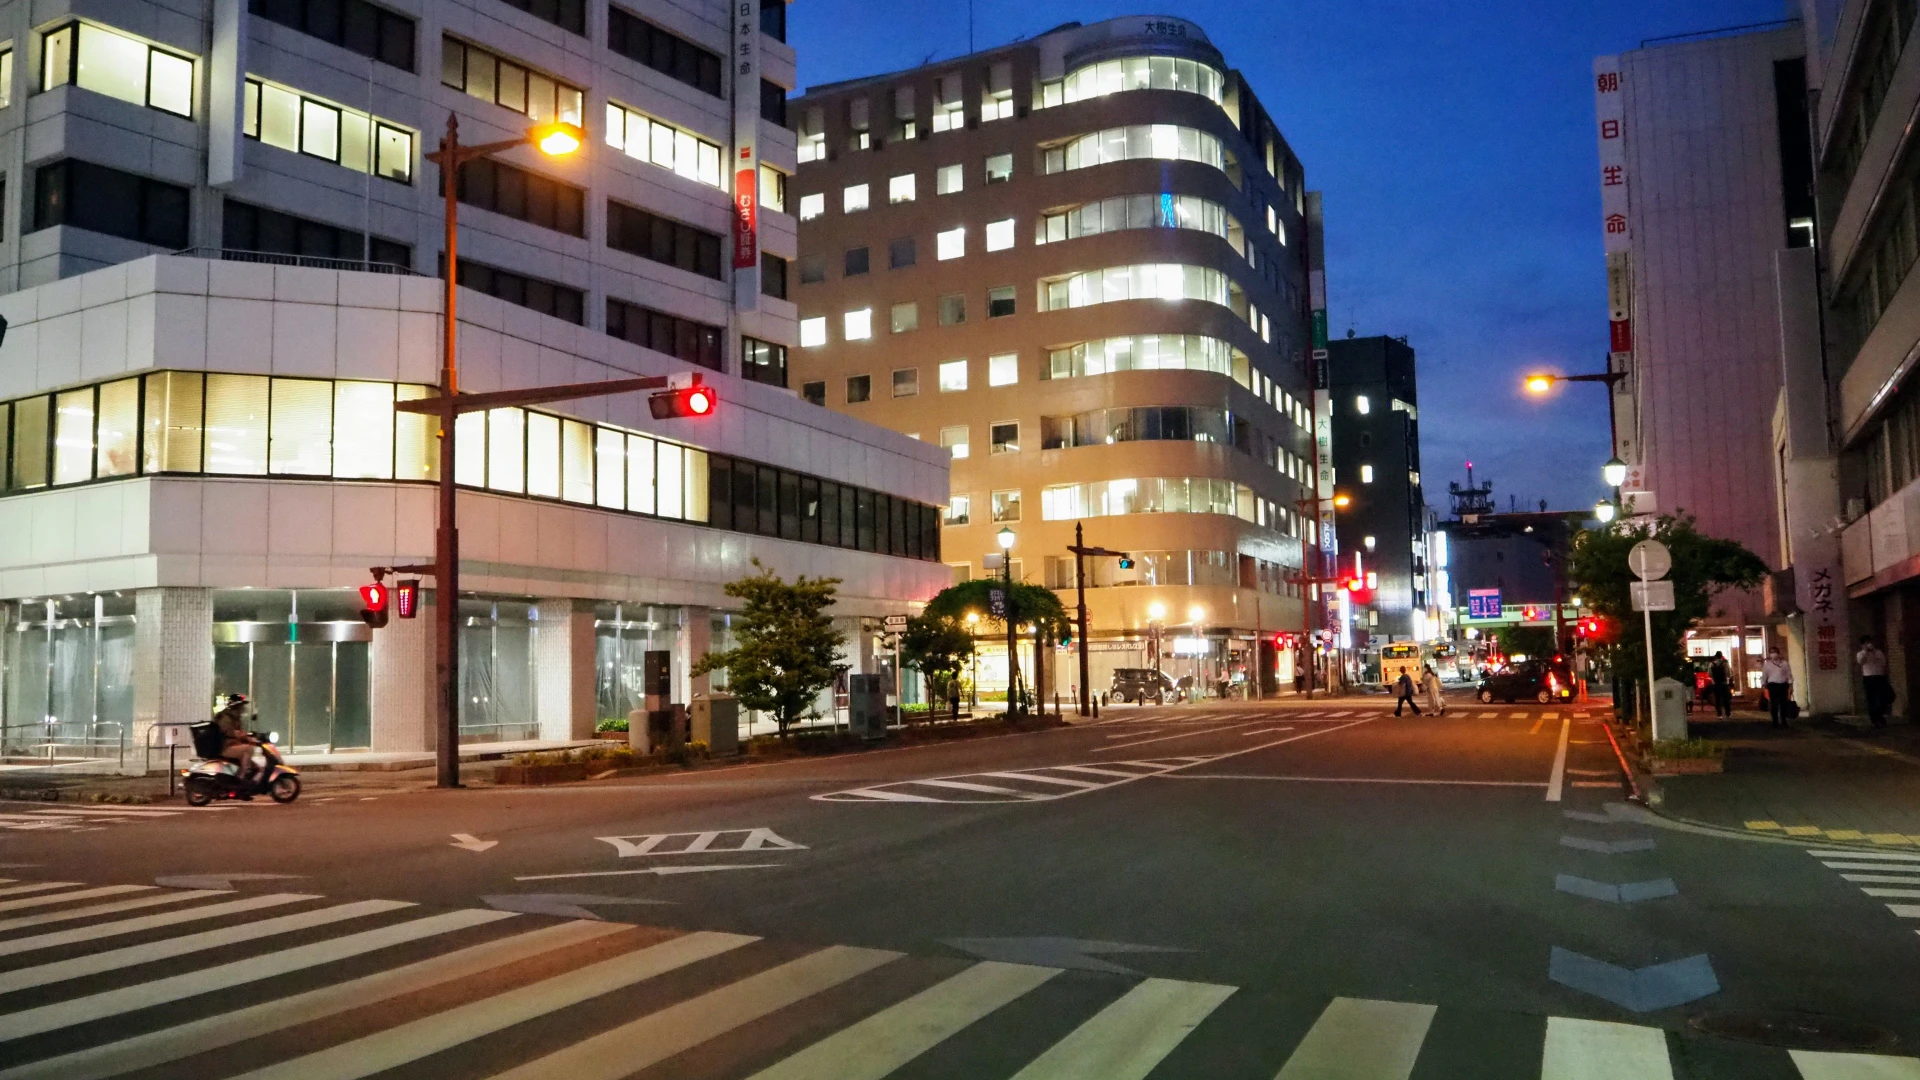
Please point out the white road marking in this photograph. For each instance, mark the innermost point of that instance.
(428, 1035)
(1097, 770)
(1356, 780)
(1889, 856)
(657, 871)
(1905, 894)
(1865, 866)
(1265, 731)
(651, 1039)
(1357, 1039)
(758, 839)
(77, 894)
(1598, 1050)
(1125, 1040)
(887, 1040)
(96, 963)
(470, 842)
(989, 789)
(1821, 1065)
(1556, 780)
(146, 922)
(1164, 738)
(1905, 911)
(137, 902)
(1038, 777)
(212, 1032)
(1884, 879)
(145, 995)
(37, 886)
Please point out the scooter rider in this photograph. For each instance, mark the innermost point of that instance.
(238, 745)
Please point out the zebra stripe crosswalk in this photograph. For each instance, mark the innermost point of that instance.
(615, 1000)
(1041, 784)
(1881, 869)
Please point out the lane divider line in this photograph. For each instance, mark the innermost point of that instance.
(1557, 779)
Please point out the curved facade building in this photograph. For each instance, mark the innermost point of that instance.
(1079, 263)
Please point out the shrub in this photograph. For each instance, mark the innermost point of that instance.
(614, 724)
(1686, 748)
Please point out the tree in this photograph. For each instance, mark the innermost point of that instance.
(786, 644)
(1526, 640)
(1703, 567)
(940, 646)
(1026, 604)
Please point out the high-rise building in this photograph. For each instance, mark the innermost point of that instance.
(1375, 399)
(226, 277)
(1077, 264)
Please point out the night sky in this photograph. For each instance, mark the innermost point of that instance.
(1453, 142)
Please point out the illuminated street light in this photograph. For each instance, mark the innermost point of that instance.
(1005, 536)
(1614, 472)
(557, 139)
(1342, 501)
(1539, 384)
(1603, 511)
(1196, 613)
(1156, 611)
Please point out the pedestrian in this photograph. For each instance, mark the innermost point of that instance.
(1722, 677)
(1779, 679)
(1430, 682)
(1403, 691)
(1873, 673)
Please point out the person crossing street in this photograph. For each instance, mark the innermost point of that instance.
(1403, 691)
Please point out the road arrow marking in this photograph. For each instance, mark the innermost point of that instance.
(1631, 893)
(1055, 952)
(700, 842)
(1606, 847)
(216, 881)
(1657, 986)
(467, 842)
(561, 905)
(662, 871)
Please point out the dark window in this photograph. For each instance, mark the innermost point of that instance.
(773, 103)
(859, 388)
(684, 339)
(813, 269)
(569, 15)
(763, 362)
(665, 52)
(789, 506)
(900, 254)
(746, 513)
(244, 227)
(104, 200)
(545, 297)
(863, 519)
(719, 491)
(814, 392)
(1000, 301)
(372, 31)
(516, 193)
(769, 501)
(773, 19)
(662, 240)
(773, 276)
(856, 262)
(809, 510)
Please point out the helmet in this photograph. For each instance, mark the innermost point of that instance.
(236, 699)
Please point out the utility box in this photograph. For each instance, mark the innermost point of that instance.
(716, 722)
(1669, 710)
(867, 706)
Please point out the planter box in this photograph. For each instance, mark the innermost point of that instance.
(1685, 766)
(612, 736)
(547, 774)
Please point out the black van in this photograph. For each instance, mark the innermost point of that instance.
(1140, 685)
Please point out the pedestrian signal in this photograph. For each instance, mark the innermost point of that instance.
(373, 611)
(406, 597)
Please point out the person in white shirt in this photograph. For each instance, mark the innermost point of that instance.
(1878, 689)
(1779, 679)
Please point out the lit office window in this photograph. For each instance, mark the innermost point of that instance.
(949, 179)
(300, 419)
(900, 189)
(117, 434)
(1159, 281)
(670, 482)
(949, 112)
(363, 421)
(812, 206)
(999, 235)
(236, 417)
(682, 152)
(951, 244)
(1003, 370)
(416, 439)
(543, 455)
(959, 510)
(1006, 505)
(1361, 405)
(1167, 142)
(1366, 474)
(1134, 212)
(773, 189)
(31, 420)
(999, 168)
(954, 439)
(470, 449)
(494, 78)
(287, 119)
(1191, 352)
(610, 468)
(6, 77)
(1150, 495)
(853, 199)
(640, 472)
(507, 450)
(904, 317)
(576, 461)
(97, 59)
(73, 436)
(813, 332)
(953, 376)
(1143, 73)
(858, 324)
(173, 432)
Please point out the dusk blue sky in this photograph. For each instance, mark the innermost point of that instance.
(1453, 142)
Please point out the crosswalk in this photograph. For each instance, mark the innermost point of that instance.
(76, 817)
(1216, 717)
(1889, 876)
(1042, 784)
(281, 986)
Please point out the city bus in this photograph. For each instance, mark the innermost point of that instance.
(1446, 661)
(1398, 657)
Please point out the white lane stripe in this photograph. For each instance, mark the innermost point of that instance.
(1549, 715)
(1884, 879)
(1599, 1050)
(137, 902)
(429, 1035)
(887, 1040)
(127, 999)
(1905, 911)
(1041, 778)
(883, 795)
(1557, 779)
(181, 946)
(147, 922)
(212, 1032)
(37, 886)
(1125, 1040)
(654, 1038)
(77, 894)
(1357, 780)
(988, 789)
(1906, 894)
(1164, 738)
(1900, 868)
(1357, 1039)
(1821, 1065)
(1095, 770)
(1889, 856)
(108, 811)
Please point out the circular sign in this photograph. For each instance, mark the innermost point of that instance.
(1650, 560)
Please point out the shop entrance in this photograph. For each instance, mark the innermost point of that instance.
(303, 666)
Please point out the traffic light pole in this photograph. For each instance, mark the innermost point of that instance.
(1080, 552)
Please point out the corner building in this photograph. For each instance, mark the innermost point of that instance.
(226, 270)
(1078, 265)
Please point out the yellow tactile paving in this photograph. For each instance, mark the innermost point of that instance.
(1889, 839)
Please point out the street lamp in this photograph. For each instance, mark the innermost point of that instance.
(1343, 501)
(1539, 384)
(973, 689)
(1603, 511)
(1614, 472)
(1005, 538)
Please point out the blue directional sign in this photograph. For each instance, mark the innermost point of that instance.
(1483, 603)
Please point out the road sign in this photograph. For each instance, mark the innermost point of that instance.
(896, 623)
(1649, 560)
(1651, 595)
(1483, 603)
(997, 603)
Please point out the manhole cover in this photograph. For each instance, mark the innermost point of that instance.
(1795, 1030)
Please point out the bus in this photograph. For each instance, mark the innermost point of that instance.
(1447, 661)
(1398, 657)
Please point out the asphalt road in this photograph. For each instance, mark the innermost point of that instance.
(1293, 890)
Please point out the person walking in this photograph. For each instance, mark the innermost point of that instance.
(1873, 673)
(1430, 683)
(1779, 679)
(1403, 691)
(1722, 677)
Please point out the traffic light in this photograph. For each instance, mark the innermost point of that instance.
(406, 597)
(1126, 562)
(695, 400)
(373, 599)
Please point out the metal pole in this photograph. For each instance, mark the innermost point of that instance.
(1646, 612)
(446, 548)
(1080, 590)
(1013, 657)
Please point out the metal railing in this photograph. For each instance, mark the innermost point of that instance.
(277, 258)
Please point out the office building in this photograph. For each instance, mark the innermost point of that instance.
(1077, 264)
(202, 455)
(1375, 398)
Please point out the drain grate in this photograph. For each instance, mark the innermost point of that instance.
(1794, 1030)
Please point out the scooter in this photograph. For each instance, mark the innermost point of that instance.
(215, 777)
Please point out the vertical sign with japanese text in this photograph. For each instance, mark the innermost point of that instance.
(746, 153)
(1610, 118)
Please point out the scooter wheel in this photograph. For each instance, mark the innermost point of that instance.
(285, 789)
(199, 792)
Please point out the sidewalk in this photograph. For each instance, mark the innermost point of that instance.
(1820, 781)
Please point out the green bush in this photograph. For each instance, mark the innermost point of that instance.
(615, 724)
(1687, 748)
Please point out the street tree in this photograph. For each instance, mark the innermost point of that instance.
(785, 647)
(1703, 567)
(1026, 605)
(940, 646)
(1525, 640)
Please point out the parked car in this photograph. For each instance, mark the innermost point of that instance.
(1536, 679)
(1140, 685)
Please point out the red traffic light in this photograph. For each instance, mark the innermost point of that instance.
(406, 598)
(374, 597)
(685, 401)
